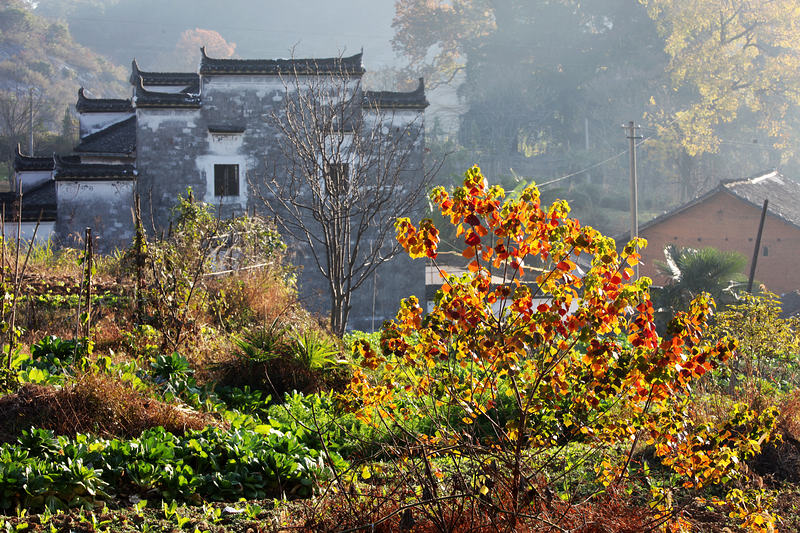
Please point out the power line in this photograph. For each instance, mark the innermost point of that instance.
(603, 162)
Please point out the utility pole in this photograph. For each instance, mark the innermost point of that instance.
(757, 249)
(30, 120)
(632, 138)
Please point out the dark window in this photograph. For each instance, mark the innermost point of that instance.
(765, 251)
(226, 180)
(337, 177)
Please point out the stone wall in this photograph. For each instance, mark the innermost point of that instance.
(103, 205)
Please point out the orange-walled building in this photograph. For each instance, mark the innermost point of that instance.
(727, 218)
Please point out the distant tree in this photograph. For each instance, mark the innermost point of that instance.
(730, 60)
(185, 55)
(531, 74)
(40, 56)
(692, 272)
(345, 171)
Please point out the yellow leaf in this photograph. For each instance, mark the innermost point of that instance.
(365, 473)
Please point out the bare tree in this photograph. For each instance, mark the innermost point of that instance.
(350, 163)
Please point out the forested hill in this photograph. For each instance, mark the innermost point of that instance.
(150, 29)
(41, 64)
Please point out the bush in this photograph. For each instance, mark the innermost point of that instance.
(278, 360)
(547, 341)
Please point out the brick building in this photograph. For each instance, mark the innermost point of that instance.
(727, 218)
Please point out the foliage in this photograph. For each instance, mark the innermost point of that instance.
(348, 168)
(184, 56)
(549, 345)
(42, 65)
(736, 58)
(690, 272)
(769, 346)
(178, 266)
(173, 371)
(54, 354)
(276, 360)
(314, 351)
(44, 470)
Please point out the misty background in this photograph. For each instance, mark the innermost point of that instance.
(531, 90)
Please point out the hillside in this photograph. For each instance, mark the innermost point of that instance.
(42, 66)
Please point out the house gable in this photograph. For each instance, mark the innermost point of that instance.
(724, 220)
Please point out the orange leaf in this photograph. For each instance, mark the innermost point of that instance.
(468, 252)
(473, 267)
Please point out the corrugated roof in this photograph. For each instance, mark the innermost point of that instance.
(783, 194)
(118, 138)
(333, 65)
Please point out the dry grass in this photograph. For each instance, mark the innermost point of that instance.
(95, 403)
(779, 460)
(381, 508)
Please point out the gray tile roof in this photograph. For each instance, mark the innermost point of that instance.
(397, 100)
(69, 170)
(176, 79)
(118, 138)
(26, 162)
(144, 98)
(40, 200)
(783, 194)
(102, 105)
(333, 65)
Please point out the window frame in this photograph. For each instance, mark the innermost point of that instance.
(228, 181)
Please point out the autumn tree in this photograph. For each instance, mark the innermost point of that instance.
(729, 60)
(346, 168)
(184, 55)
(485, 395)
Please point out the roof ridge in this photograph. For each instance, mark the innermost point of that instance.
(33, 163)
(346, 65)
(161, 77)
(401, 99)
(162, 99)
(101, 105)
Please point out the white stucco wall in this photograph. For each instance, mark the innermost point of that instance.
(153, 118)
(99, 190)
(173, 89)
(44, 232)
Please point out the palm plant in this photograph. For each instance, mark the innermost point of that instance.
(314, 351)
(693, 271)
